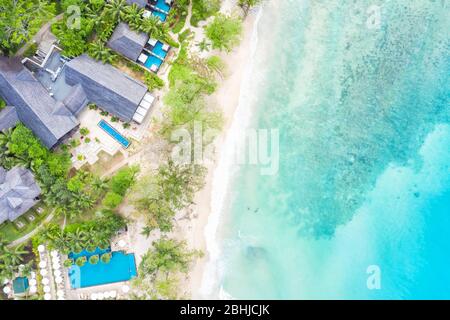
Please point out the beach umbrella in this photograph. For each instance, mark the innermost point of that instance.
(41, 248)
(61, 298)
(122, 243)
(21, 267)
(100, 296)
(56, 266)
(46, 289)
(45, 281)
(94, 296)
(60, 293)
(55, 260)
(42, 264)
(32, 282)
(54, 253)
(6, 281)
(125, 289)
(113, 294)
(6, 290)
(57, 273)
(47, 296)
(44, 272)
(58, 280)
(33, 274)
(33, 289)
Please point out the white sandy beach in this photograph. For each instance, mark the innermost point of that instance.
(227, 98)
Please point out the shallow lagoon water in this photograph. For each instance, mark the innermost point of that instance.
(364, 179)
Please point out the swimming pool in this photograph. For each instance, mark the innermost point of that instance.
(152, 60)
(160, 15)
(122, 267)
(158, 50)
(162, 5)
(114, 133)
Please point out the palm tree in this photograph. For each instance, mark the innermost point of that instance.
(146, 231)
(99, 185)
(150, 25)
(133, 15)
(162, 33)
(12, 257)
(203, 45)
(114, 9)
(99, 51)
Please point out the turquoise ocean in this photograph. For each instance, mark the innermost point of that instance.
(360, 93)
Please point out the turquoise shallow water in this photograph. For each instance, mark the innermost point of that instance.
(364, 178)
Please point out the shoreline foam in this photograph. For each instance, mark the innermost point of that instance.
(210, 200)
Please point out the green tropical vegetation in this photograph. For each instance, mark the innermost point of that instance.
(89, 29)
(177, 15)
(10, 259)
(172, 188)
(246, 5)
(203, 9)
(20, 20)
(81, 261)
(106, 257)
(94, 259)
(160, 268)
(224, 32)
(75, 237)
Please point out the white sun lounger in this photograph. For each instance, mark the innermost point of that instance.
(143, 58)
(147, 14)
(145, 104)
(138, 118)
(152, 42)
(166, 47)
(148, 97)
(154, 68)
(141, 111)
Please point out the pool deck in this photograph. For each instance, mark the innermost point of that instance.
(85, 293)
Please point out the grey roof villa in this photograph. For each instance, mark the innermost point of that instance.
(49, 99)
(19, 192)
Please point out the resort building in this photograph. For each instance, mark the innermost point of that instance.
(48, 118)
(158, 8)
(19, 192)
(107, 87)
(138, 47)
(127, 42)
(48, 98)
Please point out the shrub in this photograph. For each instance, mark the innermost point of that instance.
(126, 125)
(68, 263)
(87, 140)
(114, 119)
(123, 180)
(112, 200)
(153, 81)
(203, 9)
(84, 131)
(93, 259)
(106, 257)
(224, 32)
(81, 261)
(74, 143)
